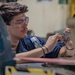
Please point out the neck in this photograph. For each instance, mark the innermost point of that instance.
(14, 42)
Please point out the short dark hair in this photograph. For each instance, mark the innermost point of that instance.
(11, 9)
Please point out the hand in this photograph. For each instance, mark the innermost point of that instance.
(67, 34)
(68, 41)
(52, 41)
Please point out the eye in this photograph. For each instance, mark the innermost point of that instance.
(27, 19)
(19, 22)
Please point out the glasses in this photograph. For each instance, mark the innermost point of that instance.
(21, 22)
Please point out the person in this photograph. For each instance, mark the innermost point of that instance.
(16, 21)
(59, 49)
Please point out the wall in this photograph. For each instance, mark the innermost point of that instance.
(46, 16)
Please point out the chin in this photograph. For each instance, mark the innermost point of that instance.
(24, 36)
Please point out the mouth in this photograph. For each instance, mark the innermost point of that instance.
(25, 30)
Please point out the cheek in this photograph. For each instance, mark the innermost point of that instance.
(15, 31)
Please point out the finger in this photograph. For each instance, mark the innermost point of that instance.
(67, 30)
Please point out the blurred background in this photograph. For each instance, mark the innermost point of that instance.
(47, 17)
